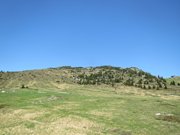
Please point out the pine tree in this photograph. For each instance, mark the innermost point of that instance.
(172, 83)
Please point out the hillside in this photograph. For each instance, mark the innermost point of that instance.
(88, 101)
(176, 79)
(55, 77)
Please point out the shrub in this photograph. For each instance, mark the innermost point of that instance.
(23, 86)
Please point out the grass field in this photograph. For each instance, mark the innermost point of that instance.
(89, 110)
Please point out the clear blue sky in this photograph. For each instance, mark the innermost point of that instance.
(50, 33)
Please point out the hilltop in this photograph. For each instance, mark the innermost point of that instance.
(102, 75)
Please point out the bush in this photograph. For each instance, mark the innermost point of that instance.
(23, 86)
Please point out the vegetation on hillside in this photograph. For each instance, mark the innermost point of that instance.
(127, 76)
(52, 77)
(174, 81)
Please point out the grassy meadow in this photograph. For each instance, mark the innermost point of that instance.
(89, 110)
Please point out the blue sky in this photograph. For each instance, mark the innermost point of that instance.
(38, 34)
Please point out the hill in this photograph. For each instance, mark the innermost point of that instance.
(102, 75)
(95, 101)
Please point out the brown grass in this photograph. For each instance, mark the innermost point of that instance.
(18, 120)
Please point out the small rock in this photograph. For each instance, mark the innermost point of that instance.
(158, 114)
(170, 114)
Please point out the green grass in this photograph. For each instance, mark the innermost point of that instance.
(88, 110)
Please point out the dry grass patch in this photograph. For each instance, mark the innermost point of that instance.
(13, 117)
(61, 85)
(73, 123)
(170, 97)
(130, 90)
(101, 113)
(65, 126)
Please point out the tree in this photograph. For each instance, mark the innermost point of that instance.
(172, 83)
(140, 81)
(129, 82)
(160, 85)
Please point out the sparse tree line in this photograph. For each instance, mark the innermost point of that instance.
(174, 83)
(126, 77)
